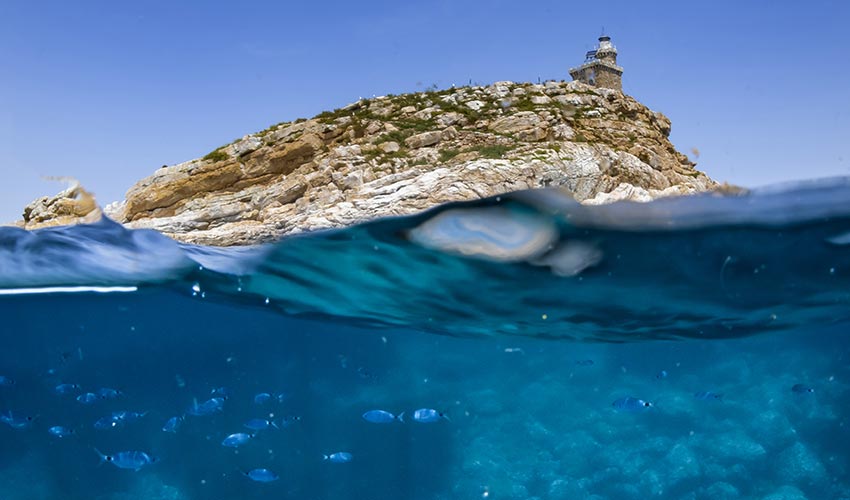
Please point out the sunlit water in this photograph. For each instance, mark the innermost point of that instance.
(523, 319)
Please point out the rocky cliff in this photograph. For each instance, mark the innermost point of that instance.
(394, 155)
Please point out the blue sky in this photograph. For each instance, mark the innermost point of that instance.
(109, 91)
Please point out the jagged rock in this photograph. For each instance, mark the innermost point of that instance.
(422, 140)
(73, 205)
(525, 125)
(397, 155)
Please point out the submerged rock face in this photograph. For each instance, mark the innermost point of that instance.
(396, 155)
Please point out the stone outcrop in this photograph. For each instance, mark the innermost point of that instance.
(395, 155)
(73, 205)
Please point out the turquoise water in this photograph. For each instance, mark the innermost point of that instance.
(523, 319)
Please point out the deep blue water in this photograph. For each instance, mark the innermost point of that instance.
(522, 318)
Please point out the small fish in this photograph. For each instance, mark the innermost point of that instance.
(110, 422)
(134, 460)
(262, 475)
(289, 420)
(382, 417)
(802, 389)
(60, 432)
(661, 375)
(259, 424)
(262, 398)
(6, 381)
(107, 393)
(87, 398)
(66, 388)
(708, 396)
(173, 424)
(585, 362)
(236, 440)
(630, 404)
(340, 457)
(128, 416)
(366, 374)
(16, 421)
(427, 415)
(208, 407)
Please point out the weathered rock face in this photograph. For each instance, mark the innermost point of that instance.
(74, 205)
(396, 155)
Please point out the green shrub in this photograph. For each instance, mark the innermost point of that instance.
(493, 151)
(216, 155)
(448, 154)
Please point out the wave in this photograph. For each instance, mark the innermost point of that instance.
(531, 263)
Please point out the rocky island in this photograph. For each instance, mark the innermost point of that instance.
(399, 154)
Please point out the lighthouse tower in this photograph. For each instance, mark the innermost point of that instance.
(600, 67)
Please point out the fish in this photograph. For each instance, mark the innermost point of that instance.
(6, 381)
(366, 374)
(134, 460)
(108, 422)
(631, 404)
(128, 416)
(66, 388)
(208, 407)
(236, 440)
(708, 396)
(107, 393)
(340, 457)
(802, 389)
(60, 431)
(585, 362)
(289, 420)
(261, 475)
(382, 417)
(259, 424)
(173, 424)
(661, 375)
(17, 422)
(87, 398)
(262, 398)
(427, 415)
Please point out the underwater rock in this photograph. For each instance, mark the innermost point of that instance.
(722, 491)
(149, 487)
(800, 465)
(786, 493)
(27, 478)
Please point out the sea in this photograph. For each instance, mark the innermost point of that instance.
(516, 347)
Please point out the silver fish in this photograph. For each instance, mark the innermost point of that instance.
(236, 440)
(208, 407)
(262, 475)
(17, 422)
(428, 415)
(134, 460)
(340, 457)
(173, 424)
(66, 388)
(631, 405)
(382, 417)
(60, 431)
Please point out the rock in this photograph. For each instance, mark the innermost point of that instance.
(339, 170)
(73, 205)
(423, 140)
(786, 493)
(525, 125)
(476, 105)
(389, 147)
(799, 465)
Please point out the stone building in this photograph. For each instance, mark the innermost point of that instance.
(600, 67)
